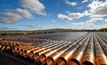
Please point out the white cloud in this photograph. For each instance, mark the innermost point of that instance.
(75, 15)
(34, 5)
(84, 1)
(86, 25)
(70, 16)
(63, 17)
(92, 20)
(98, 8)
(53, 21)
(86, 13)
(71, 3)
(15, 15)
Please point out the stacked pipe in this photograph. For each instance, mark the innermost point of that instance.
(89, 54)
(65, 57)
(101, 58)
(76, 58)
(89, 49)
(13, 43)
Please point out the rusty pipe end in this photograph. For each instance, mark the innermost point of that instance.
(42, 59)
(36, 57)
(87, 63)
(62, 61)
(73, 61)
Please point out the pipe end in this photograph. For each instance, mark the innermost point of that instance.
(50, 61)
(73, 62)
(42, 59)
(87, 63)
(61, 61)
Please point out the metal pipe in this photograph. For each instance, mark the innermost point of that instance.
(103, 44)
(64, 58)
(52, 59)
(47, 54)
(44, 56)
(89, 54)
(36, 55)
(76, 58)
(101, 58)
(31, 54)
(25, 49)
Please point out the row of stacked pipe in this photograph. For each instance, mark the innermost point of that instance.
(10, 42)
(89, 49)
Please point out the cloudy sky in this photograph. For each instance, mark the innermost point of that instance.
(49, 14)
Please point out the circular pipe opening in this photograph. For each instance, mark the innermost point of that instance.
(62, 61)
(74, 62)
(42, 59)
(50, 61)
(87, 63)
(36, 57)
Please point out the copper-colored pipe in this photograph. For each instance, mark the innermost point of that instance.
(47, 54)
(101, 58)
(77, 56)
(17, 49)
(20, 49)
(27, 50)
(103, 44)
(54, 57)
(36, 55)
(31, 54)
(65, 57)
(89, 54)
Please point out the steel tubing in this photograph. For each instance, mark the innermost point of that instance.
(76, 58)
(89, 54)
(101, 58)
(52, 59)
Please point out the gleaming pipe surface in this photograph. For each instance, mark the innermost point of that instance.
(54, 57)
(76, 58)
(89, 54)
(101, 58)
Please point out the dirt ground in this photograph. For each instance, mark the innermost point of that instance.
(4, 60)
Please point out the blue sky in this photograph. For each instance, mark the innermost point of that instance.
(49, 14)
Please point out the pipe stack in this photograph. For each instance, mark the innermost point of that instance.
(89, 49)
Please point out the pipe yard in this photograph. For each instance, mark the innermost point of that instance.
(70, 48)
